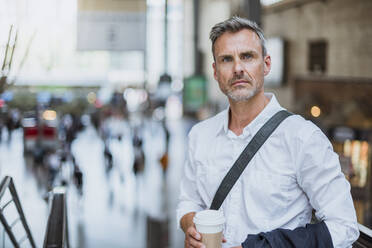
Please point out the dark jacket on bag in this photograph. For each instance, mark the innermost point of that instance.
(310, 236)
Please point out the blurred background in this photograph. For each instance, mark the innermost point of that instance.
(97, 98)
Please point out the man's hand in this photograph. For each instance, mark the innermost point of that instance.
(237, 247)
(193, 238)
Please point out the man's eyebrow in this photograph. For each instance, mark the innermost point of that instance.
(249, 52)
(224, 56)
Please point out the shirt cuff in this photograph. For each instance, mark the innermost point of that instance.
(343, 235)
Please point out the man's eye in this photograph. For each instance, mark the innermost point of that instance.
(247, 56)
(226, 59)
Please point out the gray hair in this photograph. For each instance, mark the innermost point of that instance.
(236, 24)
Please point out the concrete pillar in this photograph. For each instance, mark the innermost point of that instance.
(252, 10)
(211, 12)
(198, 69)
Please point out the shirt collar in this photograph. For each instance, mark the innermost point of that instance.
(270, 109)
(223, 123)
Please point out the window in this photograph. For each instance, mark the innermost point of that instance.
(317, 56)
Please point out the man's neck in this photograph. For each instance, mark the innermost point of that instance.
(244, 112)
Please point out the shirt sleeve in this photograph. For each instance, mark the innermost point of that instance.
(319, 175)
(189, 200)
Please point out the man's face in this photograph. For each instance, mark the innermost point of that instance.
(239, 67)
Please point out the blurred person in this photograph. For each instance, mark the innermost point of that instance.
(38, 159)
(65, 124)
(137, 139)
(38, 154)
(1, 128)
(53, 165)
(10, 125)
(139, 155)
(105, 130)
(71, 130)
(95, 119)
(121, 173)
(109, 162)
(16, 117)
(164, 159)
(65, 158)
(78, 177)
(139, 161)
(294, 172)
(65, 154)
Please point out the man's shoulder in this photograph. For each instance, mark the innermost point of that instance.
(299, 127)
(299, 121)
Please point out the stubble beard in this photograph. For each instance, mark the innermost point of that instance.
(241, 94)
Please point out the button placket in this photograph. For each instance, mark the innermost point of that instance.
(236, 146)
(234, 210)
(231, 205)
(233, 197)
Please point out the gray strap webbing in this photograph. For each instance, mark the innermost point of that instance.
(245, 157)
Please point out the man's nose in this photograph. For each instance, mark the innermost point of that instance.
(238, 68)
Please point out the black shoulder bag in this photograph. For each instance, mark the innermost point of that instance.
(245, 157)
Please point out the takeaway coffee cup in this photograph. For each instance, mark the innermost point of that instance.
(210, 223)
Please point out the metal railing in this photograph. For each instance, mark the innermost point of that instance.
(7, 183)
(56, 235)
(365, 238)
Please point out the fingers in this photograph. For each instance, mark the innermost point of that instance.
(196, 244)
(193, 239)
(193, 233)
(224, 240)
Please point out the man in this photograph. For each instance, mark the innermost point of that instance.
(294, 172)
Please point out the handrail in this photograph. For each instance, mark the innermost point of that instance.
(56, 235)
(365, 237)
(5, 184)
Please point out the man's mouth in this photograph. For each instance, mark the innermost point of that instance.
(239, 82)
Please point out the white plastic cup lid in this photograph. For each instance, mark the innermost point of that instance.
(209, 218)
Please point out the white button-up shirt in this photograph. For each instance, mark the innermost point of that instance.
(295, 171)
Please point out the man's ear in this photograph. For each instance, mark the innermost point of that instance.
(214, 70)
(267, 64)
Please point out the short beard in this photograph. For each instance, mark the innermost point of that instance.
(240, 94)
(243, 97)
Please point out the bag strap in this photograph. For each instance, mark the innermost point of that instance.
(245, 157)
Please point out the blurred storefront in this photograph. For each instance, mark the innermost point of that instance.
(355, 158)
(341, 107)
(327, 53)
